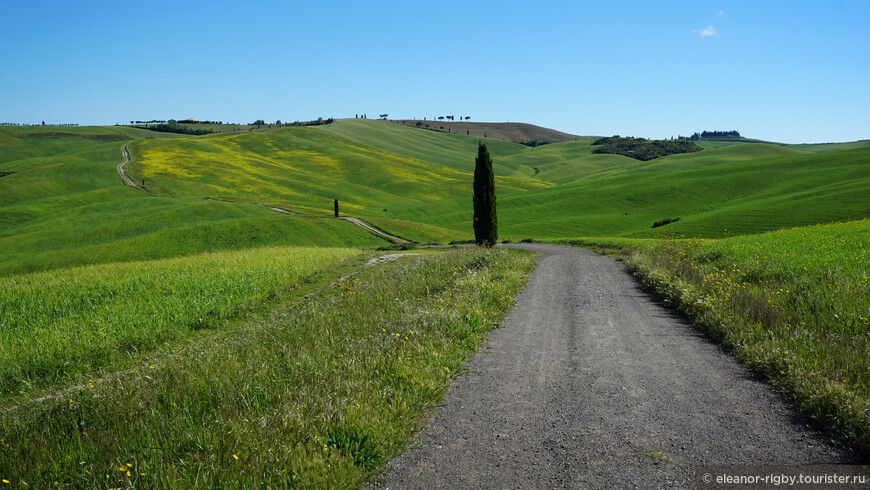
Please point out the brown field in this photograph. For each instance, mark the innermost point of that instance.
(518, 132)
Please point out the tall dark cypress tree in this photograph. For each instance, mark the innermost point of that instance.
(485, 220)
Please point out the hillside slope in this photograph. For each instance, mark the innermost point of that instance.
(507, 131)
(62, 203)
(386, 171)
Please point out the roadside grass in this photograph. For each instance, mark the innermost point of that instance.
(317, 393)
(793, 305)
(73, 324)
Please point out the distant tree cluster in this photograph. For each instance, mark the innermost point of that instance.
(534, 143)
(153, 121)
(318, 122)
(643, 149)
(43, 124)
(172, 126)
(196, 121)
(663, 222)
(452, 118)
(711, 135)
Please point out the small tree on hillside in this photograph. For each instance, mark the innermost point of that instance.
(485, 219)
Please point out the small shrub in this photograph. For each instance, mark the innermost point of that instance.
(357, 446)
(664, 222)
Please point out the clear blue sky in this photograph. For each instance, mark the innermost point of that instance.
(791, 71)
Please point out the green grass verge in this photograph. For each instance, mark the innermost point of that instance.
(75, 323)
(319, 392)
(793, 305)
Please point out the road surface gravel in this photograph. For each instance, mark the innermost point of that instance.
(592, 383)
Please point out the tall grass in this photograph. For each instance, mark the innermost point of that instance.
(314, 394)
(793, 305)
(66, 323)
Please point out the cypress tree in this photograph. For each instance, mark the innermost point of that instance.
(485, 220)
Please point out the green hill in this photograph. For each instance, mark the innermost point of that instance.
(234, 347)
(64, 204)
(743, 188)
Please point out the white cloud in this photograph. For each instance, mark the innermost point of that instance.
(709, 31)
(721, 13)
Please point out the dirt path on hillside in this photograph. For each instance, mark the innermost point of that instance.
(123, 173)
(376, 231)
(591, 383)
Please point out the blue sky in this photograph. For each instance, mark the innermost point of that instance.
(788, 71)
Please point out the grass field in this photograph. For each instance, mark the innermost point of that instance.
(69, 324)
(231, 343)
(317, 392)
(393, 172)
(64, 205)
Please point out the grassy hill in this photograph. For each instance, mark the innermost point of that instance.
(384, 171)
(63, 203)
(507, 131)
(173, 336)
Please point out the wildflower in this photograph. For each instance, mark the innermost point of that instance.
(235, 457)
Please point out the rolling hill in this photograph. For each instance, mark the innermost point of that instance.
(507, 131)
(64, 204)
(170, 319)
(385, 172)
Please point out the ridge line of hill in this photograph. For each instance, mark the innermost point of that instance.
(508, 131)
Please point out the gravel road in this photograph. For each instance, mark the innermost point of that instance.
(591, 383)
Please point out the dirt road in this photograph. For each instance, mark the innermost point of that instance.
(123, 173)
(126, 155)
(592, 384)
(376, 231)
